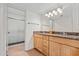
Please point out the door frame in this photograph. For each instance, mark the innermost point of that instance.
(7, 28)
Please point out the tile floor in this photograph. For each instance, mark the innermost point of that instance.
(18, 50)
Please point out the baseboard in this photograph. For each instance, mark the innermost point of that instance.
(40, 52)
(15, 43)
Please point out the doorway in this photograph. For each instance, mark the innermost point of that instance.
(15, 35)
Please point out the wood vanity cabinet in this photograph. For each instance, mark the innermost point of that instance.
(56, 46)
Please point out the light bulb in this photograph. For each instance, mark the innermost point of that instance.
(59, 10)
(46, 14)
(54, 12)
(49, 13)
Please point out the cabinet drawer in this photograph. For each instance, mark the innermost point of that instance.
(38, 35)
(52, 38)
(45, 43)
(45, 38)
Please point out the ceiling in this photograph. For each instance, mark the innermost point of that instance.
(36, 7)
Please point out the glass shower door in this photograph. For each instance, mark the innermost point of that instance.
(15, 31)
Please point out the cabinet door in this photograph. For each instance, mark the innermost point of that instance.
(45, 47)
(74, 51)
(35, 42)
(54, 49)
(39, 44)
(65, 50)
(69, 51)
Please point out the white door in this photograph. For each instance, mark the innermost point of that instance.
(15, 31)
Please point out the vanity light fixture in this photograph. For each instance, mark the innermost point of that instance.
(55, 12)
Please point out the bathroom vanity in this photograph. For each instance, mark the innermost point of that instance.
(57, 43)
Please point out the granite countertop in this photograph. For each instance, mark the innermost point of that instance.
(61, 35)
